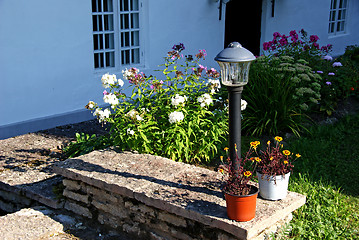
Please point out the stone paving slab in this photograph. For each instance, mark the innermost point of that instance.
(31, 224)
(178, 188)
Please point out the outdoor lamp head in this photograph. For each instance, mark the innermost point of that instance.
(234, 62)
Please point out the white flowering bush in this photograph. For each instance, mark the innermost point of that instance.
(180, 116)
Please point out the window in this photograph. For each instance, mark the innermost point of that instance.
(337, 16)
(116, 32)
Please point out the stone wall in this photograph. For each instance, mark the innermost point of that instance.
(132, 216)
(155, 198)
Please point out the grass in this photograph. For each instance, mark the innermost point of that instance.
(327, 174)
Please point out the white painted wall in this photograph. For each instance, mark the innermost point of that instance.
(46, 51)
(312, 16)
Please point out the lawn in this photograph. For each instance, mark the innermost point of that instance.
(327, 174)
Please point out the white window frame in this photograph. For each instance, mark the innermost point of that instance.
(338, 17)
(119, 31)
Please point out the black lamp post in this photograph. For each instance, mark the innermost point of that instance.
(234, 61)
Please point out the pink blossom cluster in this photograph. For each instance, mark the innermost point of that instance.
(282, 41)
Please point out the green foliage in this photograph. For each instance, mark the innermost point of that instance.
(85, 143)
(273, 107)
(180, 116)
(327, 174)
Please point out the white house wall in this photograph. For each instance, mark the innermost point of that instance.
(46, 55)
(312, 16)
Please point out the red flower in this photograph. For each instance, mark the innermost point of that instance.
(352, 88)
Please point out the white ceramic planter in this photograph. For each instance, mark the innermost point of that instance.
(273, 188)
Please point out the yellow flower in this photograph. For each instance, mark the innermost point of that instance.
(298, 155)
(285, 162)
(255, 144)
(286, 152)
(278, 139)
(221, 157)
(258, 159)
(226, 149)
(268, 142)
(247, 173)
(271, 158)
(221, 170)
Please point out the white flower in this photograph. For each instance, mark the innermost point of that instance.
(134, 115)
(110, 99)
(243, 104)
(328, 58)
(102, 115)
(205, 100)
(108, 80)
(178, 99)
(91, 105)
(130, 131)
(129, 73)
(120, 82)
(337, 64)
(174, 117)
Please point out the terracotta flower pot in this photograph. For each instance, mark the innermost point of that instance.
(242, 208)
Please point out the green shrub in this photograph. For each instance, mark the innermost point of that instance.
(179, 116)
(278, 90)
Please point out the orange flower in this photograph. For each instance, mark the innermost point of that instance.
(271, 158)
(247, 173)
(252, 159)
(278, 139)
(226, 149)
(221, 157)
(298, 155)
(255, 144)
(221, 170)
(286, 152)
(258, 159)
(285, 162)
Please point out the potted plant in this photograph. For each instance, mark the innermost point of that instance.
(274, 167)
(240, 194)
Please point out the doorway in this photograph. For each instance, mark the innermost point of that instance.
(243, 24)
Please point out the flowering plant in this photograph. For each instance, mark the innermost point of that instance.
(275, 160)
(180, 116)
(293, 46)
(237, 180)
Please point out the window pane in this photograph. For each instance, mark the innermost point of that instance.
(98, 41)
(110, 59)
(125, 57)
(125, 21)
(134, 20)
(135, 55)
(108, 22)
(107, 6)
(125, 39)
(331, 27)
(134, 5)
(98, 60)
(124, 5)
(332, 16)
(334, 4)
(135, 38)
(97, 22)
(109, 41)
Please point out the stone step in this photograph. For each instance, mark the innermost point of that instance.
(34, 223)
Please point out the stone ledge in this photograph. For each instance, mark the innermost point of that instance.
(181, 189)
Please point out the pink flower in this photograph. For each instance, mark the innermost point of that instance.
(313, 38)
(105, 92)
